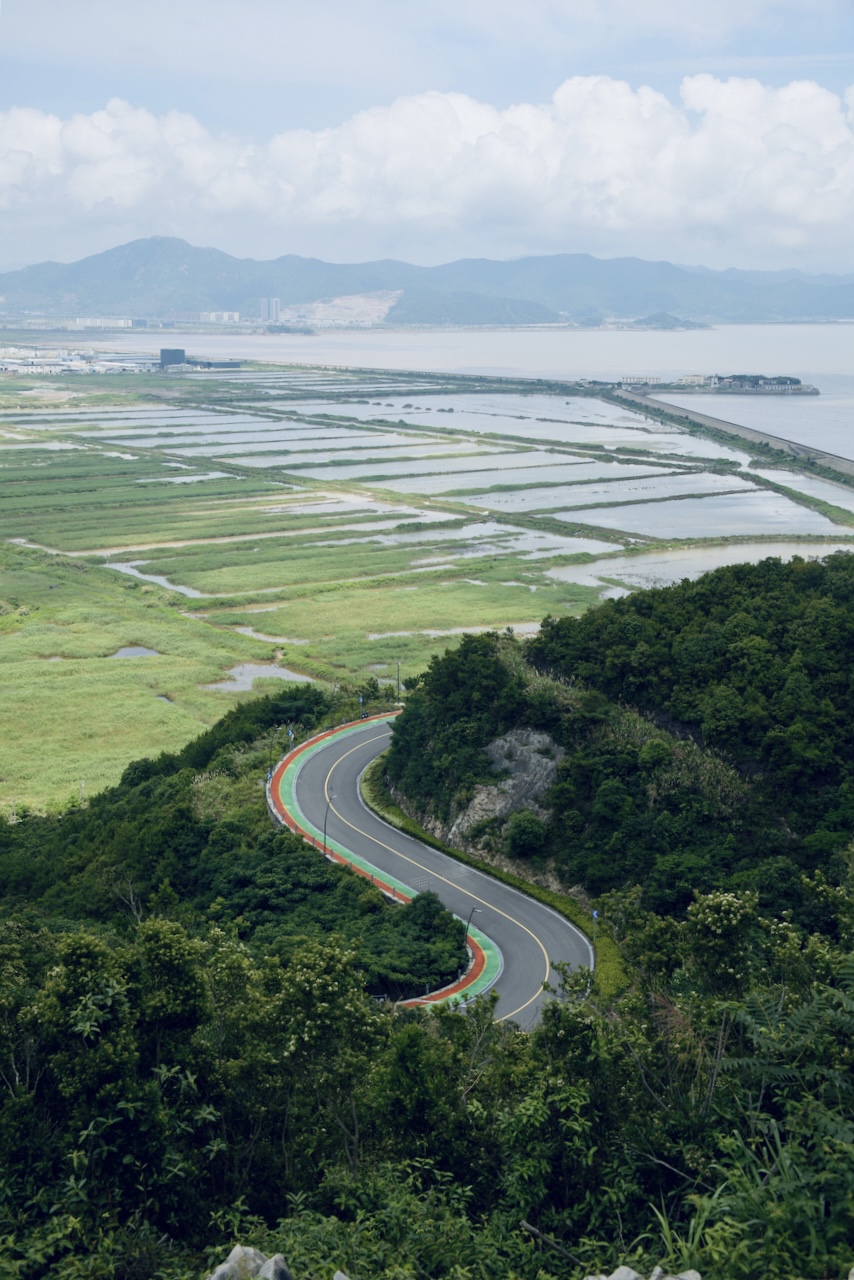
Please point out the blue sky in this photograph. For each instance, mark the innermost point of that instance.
(430, 130)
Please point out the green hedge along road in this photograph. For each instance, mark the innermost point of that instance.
(529, 937)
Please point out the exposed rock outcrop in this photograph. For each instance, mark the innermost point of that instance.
(246, 1263)
(531, 759)
(627, 1273)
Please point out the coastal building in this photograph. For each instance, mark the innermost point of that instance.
(758, 384)
(172, 355)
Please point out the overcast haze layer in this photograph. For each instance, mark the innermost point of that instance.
(716, 134)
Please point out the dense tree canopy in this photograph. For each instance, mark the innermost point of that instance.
(190, 1052)
(167, 1091)
(755, 661)
(707, 731)
(188, 836)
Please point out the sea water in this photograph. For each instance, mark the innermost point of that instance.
(825, 421)
(821, 354)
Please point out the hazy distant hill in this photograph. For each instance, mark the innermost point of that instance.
(160, 276)
(438, 306)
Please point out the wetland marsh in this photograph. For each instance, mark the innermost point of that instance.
(327, 524)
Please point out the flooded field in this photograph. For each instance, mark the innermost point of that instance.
(576, 458)
(580, 421)
(652, 487)
(661, 568)
(242, 677)
(837, 495)
(489, 408)
(538, 494)
(453, 472)
(469, 480)
(375, 519)
(726, 516)
(350, 463)
(191, 479)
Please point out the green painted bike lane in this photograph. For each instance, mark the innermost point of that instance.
(284, 804)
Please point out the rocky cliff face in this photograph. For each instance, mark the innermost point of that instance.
(246, 1263)
(529, 761)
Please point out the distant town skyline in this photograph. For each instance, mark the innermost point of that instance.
(716, 135)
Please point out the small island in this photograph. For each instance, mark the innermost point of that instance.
(741, 384)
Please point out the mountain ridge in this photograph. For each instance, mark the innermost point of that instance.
(160, 276)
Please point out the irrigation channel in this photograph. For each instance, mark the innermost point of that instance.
(513, 941)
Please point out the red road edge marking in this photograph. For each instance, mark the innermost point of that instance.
(478, 955)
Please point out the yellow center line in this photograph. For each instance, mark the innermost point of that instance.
(429, 870)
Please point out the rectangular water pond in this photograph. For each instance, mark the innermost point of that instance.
(453, 472)
(728, 515)
(471, 486)
(614, 475)
(662, 568)
(838, 495)
(237, 441)
(333, 439)
(370, 457)
(669, 486)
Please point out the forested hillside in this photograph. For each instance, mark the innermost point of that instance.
(188, 837)
(160, 275)
(755, 661)
(705, 732)
(190, 1053)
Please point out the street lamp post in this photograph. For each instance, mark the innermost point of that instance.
(329, 800)
(275, 730)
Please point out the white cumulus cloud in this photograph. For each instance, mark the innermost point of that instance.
(734, 173)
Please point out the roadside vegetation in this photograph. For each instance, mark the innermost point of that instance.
(704, 733)
(189, 832)
(611, 977)
(190, 1055)
(193, 1044)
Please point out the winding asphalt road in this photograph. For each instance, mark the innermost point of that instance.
(530, 937)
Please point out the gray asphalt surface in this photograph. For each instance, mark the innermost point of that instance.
(530, 937)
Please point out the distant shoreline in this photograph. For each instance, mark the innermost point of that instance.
(50, 334)
(845, 466)
(811, 352)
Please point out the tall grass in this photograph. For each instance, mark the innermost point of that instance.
(86, 716)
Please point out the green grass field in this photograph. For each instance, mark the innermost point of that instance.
(351, 629)
(85, 716)
(76, 716)
(326, 572)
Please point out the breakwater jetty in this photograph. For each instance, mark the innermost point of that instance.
(753, 435)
